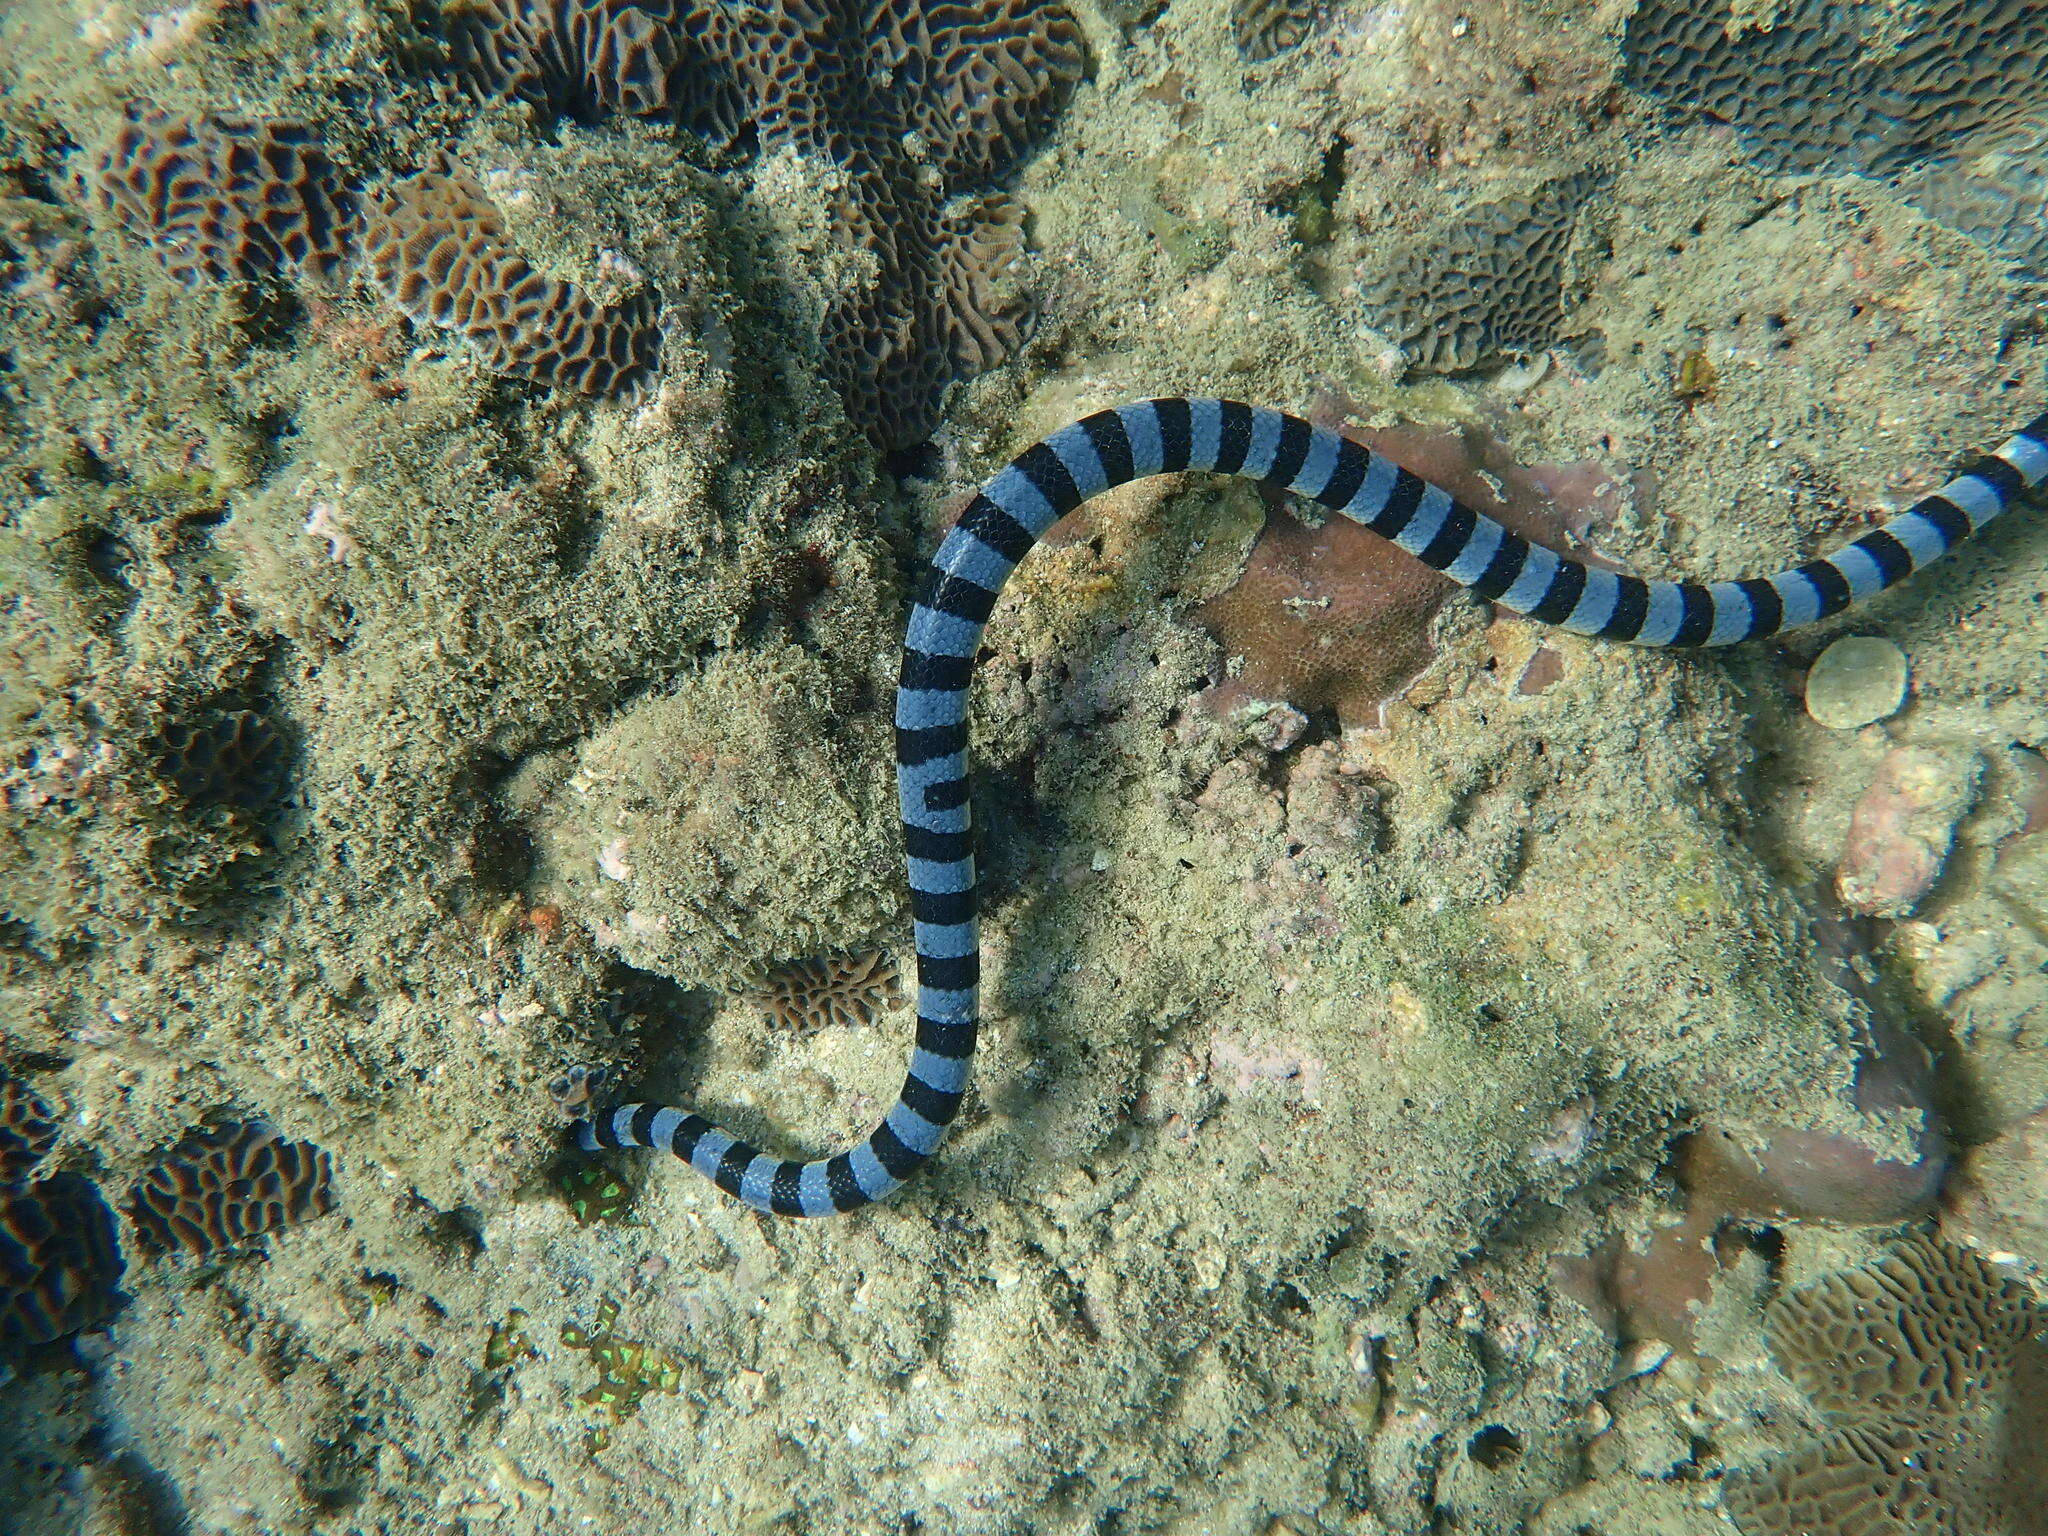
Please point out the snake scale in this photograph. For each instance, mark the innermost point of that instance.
(1284, 453)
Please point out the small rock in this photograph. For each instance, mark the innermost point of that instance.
(1903, 827)
(1856, 682)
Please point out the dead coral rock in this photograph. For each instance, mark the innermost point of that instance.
(436, 247)
(1928, 1368)
(28, 1128)
(1489, 284)
(1998, 1200)
(59, 1261)
(1903, 827)
(916, 103)
(223, 198)
(227, 1185)
(842, 991)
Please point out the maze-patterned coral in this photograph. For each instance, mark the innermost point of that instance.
(28, 1128)
(60, 1263)
(1930, 1368)
(1486, 285)
(233, 758)
(1941, 111)
(437, 248)
(221, 197)
(227, 1185)
(841, 990)
(917, 102)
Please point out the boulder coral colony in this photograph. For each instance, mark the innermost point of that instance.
(914, 115)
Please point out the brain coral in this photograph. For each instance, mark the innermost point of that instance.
(1930, 1370)
(1265, 29)
(842, 990)
(229, 1184)
(1941, 110)
(917, 103)
(1485, 285)
(234, 758)
(241, 198)
(59, 1260)
(28, 1128)
(225, 198)
(435, 246)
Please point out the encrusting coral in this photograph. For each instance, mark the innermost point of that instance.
(1941, 113)
(915, 104)
(838, 990)
(435, 246)
(222, 198)
(1487, 284)
(227, 199)
(1930, 1370)
(226, 1185)
(59, 1260)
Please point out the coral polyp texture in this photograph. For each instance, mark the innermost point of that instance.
(916, 104)
(1939, 111)
(59, 1260)
(1265, 29)
(1485, 285)
(434, 245)
(226, 1185)
(219, 198)
(1930, 1369)
(233, 758)
(28, 1129)
(840, 990)
(223, 198)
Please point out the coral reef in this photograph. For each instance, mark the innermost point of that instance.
(913, 104)
(841, 991)
(227, 198)
(436, 248)
(226, 1185)
(1488, 284)
(224, 198)
(231, 758)
(59, 1260)
(1939, 112)
(1928, 1369)
(1265, 29)
(28, 1128)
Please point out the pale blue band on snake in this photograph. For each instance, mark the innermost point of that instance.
(1284, 453)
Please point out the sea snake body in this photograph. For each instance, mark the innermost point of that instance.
(1158, 437)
